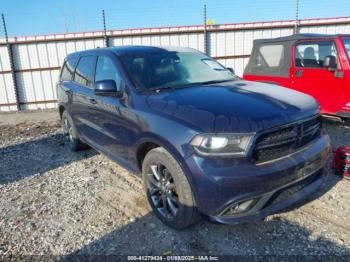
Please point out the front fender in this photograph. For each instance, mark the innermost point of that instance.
(179, 155)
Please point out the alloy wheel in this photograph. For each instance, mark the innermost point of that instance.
(67, 130)
(162, 190)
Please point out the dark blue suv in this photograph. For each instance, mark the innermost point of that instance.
(206, 142)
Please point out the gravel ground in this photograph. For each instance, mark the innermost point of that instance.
(56, 202)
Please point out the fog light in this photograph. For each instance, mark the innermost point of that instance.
(241, 207)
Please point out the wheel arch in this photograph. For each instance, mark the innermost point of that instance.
(151, 141)
(156, 141)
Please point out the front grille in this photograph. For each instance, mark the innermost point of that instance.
(286, 140)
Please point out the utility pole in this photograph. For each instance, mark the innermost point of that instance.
(12, 62)
(205, 30)
(104, 28)
(296, 28)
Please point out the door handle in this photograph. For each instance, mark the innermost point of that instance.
(92, 101)
(299, 73)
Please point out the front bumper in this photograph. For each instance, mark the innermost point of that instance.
(221, 183)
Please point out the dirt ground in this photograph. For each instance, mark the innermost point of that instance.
(56, 202)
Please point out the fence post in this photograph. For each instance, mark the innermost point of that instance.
(296, 26)
(12, 63)
(104, 28)
(205, 31)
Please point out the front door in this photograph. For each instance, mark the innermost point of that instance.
(114, 121)
(310, 77)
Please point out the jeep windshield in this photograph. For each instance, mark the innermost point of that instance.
(347, 45)
(168, 70)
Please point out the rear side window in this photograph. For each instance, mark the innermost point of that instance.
(84, 73)
(270, 56)
(312, 54)
(68, 69)
(106, 70)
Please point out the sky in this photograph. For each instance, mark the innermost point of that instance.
(33, 17)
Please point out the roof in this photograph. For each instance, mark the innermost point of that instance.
(133, 49)
(297, 37)
(143, 49)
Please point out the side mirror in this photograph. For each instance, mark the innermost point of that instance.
(107, 88)
(230, 69)
(330, 62)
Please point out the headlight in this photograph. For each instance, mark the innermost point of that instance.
(235, 145)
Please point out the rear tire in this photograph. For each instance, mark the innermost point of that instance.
(168, 190)
(70, 133)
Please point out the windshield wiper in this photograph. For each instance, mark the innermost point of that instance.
(201, 83)
(213, 82)
(158, 89)
(161, 88)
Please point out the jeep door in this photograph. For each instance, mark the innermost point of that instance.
(344, 107)
(311, 77)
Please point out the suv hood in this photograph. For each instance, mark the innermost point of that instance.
(238, 106)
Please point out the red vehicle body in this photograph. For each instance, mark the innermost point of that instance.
(318, 65)
(341, 161)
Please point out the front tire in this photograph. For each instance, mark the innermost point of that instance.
(70, 133)
(168, 190)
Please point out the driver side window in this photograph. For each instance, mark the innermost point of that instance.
(106, 70)
(312, 54)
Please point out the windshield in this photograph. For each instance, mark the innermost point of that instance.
(165, 69)
(347, 45)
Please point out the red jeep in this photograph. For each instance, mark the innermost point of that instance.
(318, 65)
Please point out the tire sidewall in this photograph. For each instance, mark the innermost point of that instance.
(74, 145)
(187, 207)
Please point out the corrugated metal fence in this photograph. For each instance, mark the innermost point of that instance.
(37, 59)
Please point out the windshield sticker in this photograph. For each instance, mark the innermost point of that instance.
(213, 64)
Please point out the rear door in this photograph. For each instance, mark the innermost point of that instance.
(83, 92)
(65, 83)
(310, 77)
